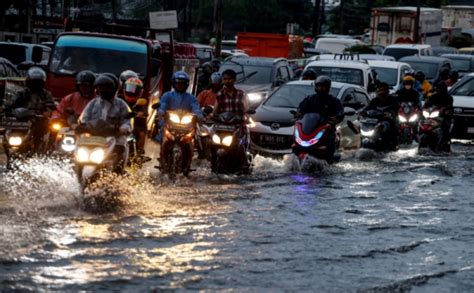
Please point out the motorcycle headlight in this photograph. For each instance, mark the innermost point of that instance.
(56, 126)
(174, 118)
(15, 140)
(367, 132)
(402, 119)
(82, 154)
(255, 97)
(227, 141)
(97, 156)
(426, 114)
(413, 118)
(68, 144)
(187, 119)
(434, 114)
(216, 139)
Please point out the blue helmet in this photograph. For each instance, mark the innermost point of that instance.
(180, 76)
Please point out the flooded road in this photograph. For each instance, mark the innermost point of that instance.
(398, 222)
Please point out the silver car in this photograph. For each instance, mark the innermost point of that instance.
(272, 132)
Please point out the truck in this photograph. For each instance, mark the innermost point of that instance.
(270, 45)
(458, 16)
(392, 25)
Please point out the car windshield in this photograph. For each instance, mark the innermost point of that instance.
(340, 74)
(465, 89)
(291, 95)
(398, 53)
(388, 75)
(99, 54)
(14, 53)
(250, 74)
(462, 65)
(429, 69)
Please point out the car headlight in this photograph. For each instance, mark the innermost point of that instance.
(97, 156)
(15, 140)
(434, 114)
(227, 141)
(367, 132)
(216, 139)
(174, 118)
(56, 126)
(187, 119)
(255, 97)
(82, 154)
(402, 119)
(426, 114)
(413, 118)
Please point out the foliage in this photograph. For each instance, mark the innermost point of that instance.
(361, 49)
(460, 42)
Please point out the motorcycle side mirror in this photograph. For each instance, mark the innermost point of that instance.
(251, 112)
(207, 110)
(141, 102)
(155, 106)
(348, 111)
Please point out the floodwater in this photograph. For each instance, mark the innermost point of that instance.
(395, 222)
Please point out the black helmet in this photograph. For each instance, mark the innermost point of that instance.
(85, 76)
(36, 73)
(322, 81)
(419, 75)
(127, 74)
(308, 74)
(113, 77)
(106, 86)
(454, 74)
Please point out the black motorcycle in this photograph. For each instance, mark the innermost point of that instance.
(230, 152)
(430, 131)
(373, 134)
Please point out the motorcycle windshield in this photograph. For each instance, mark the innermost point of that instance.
(229, 117)
(310, 122)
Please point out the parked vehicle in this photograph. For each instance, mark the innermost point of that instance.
(258, 76)
(336, 45)
(18, 53)
(431, 66)
(462, 63)
(273, 131)
(391, 72)
(230, 152)
(179, 131)
(467, 50)
(463, 95)
(376, 57)
(391, 25)
(402, 50)
(408, 117)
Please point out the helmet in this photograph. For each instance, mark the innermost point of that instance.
(322, 81)
(308, 74)
(132, 89)
(85, 76)
(106, 86)
(113, 77)
(454, 74)
(408, 80)
(36, 73)
(207, 67)
(216, 78)
(35, 79)
(216, 64)
(125, 75)
(180, 76)
(419, 75)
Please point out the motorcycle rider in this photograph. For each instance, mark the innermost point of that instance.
(35, 97)
(425, 84)
(231, 99)
(390, 103)
(326, 105)
(408, 93)
(444, 101)
(179, 99)
(132, 90)
(208, 97)
(77, 100)
(124, 76)
(204, 75)
(113, 111)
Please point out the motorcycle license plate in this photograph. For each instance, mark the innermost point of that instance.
(92, 141)
(470, 130)
(370, 120)
(223, 127)
(13, 124)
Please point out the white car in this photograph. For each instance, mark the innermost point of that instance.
(391, 72)
(402, 50)
(273, 131)
(463, 95)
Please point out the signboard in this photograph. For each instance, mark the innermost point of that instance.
(164, 19)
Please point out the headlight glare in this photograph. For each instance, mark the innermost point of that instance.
(402, 119)
(174, 118)
(97, 155)
(15, 140)
(82, 154)
(227, 141)
(187, 119)
(216, 139)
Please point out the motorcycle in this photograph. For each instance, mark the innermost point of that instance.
(178, 143)
(430, 132)
(408, 121)
(96, 150)
(138, 136)
(230, 145)
(17, 137)
(313, 136)
(372, 132)
(203, 135)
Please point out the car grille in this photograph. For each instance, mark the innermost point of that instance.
(271, 141)
(463, 111)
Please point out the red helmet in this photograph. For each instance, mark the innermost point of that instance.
(132, 89)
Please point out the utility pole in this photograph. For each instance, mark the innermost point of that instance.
(341, 17)
(218, 23)
(416, 38)
(317, 17)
